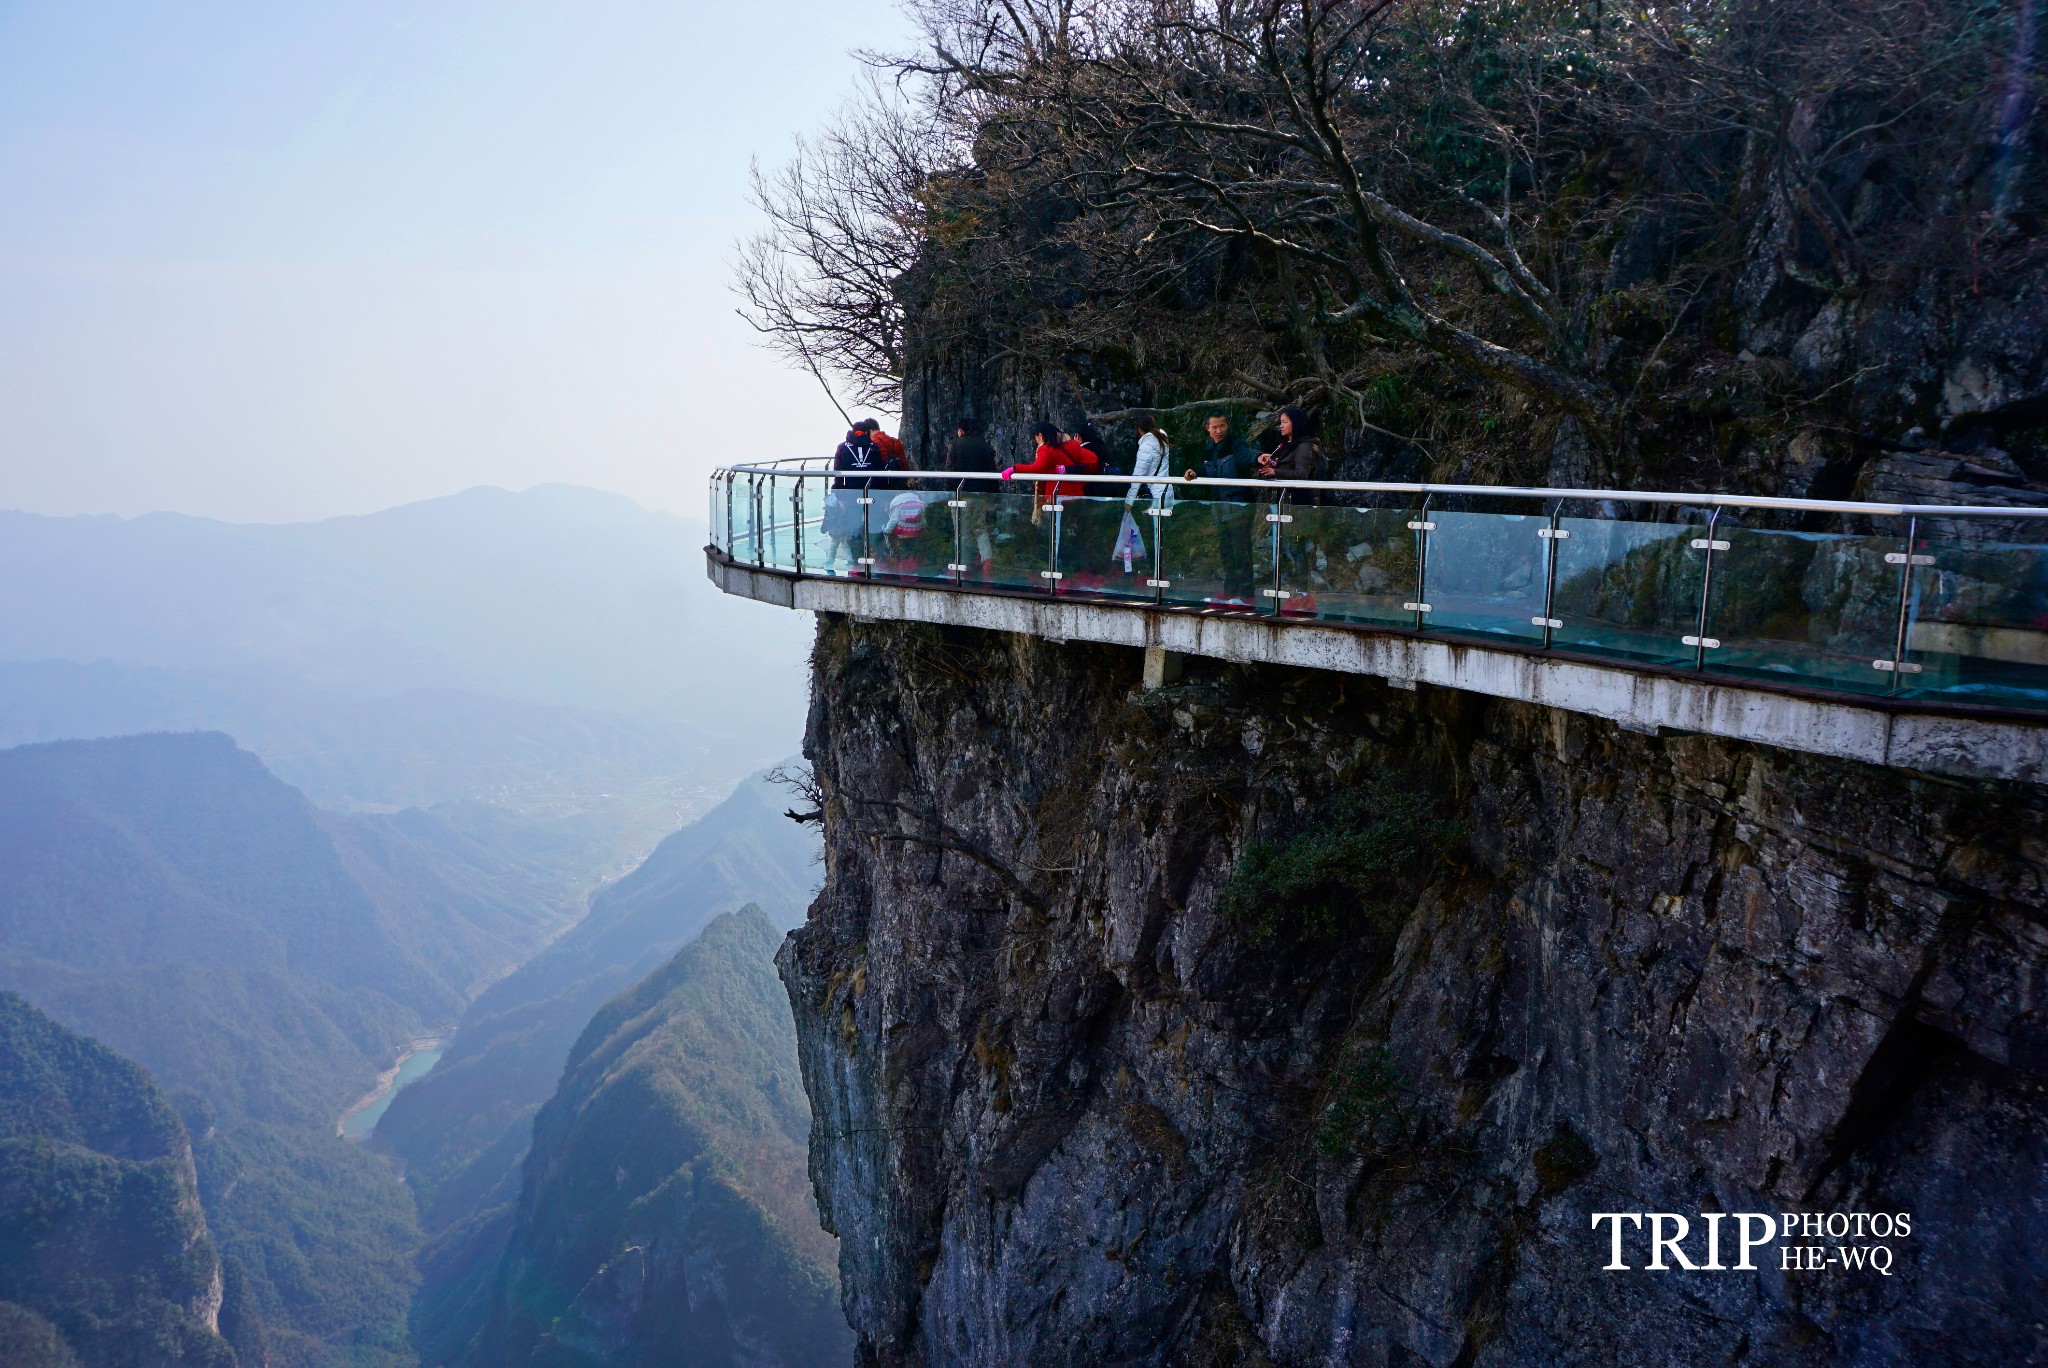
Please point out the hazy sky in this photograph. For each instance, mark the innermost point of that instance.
(281, 260)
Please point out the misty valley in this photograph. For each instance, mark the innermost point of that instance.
(336, 961)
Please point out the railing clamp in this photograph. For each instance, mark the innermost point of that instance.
(1422, 527)
(1708, 544)
(864, 499)
(1158, 584)
(1158, 512)
(1049, 508)
(1050, 574)
(1279, 517)
(1711, 643)
(956, 503)
(1901, 558)
(1277, 593)
(1897, 666)
(958, 569)
(1546, 622)
(1415, 608)
(1554, 533)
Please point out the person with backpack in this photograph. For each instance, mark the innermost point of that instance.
(895, 456)
(844, 513)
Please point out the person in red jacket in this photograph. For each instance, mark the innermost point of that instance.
(1059, 454)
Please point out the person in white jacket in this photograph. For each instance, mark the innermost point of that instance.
(1153, 454)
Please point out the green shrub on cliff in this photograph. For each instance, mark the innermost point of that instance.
(1355, 868)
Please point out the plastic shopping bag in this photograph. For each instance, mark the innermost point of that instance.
(1130, 543)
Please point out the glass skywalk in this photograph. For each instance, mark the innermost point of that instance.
(1881, 600)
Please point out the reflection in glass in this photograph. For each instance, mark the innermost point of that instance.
(1978, 624)
(1349, 565)
(1628, 589)
(1106, 547)
(1486, 573)
(1804, 607)
(1206, 549)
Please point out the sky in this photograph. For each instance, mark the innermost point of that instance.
(269, 262)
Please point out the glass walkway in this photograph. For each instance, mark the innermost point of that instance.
(1939, 604)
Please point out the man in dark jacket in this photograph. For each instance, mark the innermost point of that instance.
(1226, 457)
(970, 454)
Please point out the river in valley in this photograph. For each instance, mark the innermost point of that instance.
(361, 1119)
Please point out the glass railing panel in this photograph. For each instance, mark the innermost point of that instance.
(1978, 620)
(1628, 588)
(778, 531)
(1206, 550)
(740, 511)
(910, 534)
(1106, 547)
(1810, 608)
(1270, 521)
(1342, 564)
(850, 526)
(1005, 539)
(1486, 574)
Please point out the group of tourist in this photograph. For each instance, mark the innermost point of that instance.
(893, 509)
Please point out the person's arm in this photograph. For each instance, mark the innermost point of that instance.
(1044, 462)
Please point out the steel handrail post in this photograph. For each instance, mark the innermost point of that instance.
(1700, 638)
(1161, 510)
(1550, 573)
(796, 503)
(1420, 526)
(1052, 554)
(956, 509)
(864, 500)
(1900, 667)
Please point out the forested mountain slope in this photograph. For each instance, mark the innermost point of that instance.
(264, 960)
(665, 1216)
(105, 1259)
(463, 1129)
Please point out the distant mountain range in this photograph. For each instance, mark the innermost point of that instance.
(483, 645)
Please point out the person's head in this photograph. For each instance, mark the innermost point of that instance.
(1218, 426)
(869, 425)
(1293, 422)
(968, 426)
(1145, 423)
(1048, 433)
(1090, 438)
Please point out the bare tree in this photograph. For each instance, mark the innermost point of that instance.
(847, 218)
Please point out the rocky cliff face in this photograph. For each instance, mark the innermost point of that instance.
(1069, 1110)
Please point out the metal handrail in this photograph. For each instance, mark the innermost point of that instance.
(783, 469)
